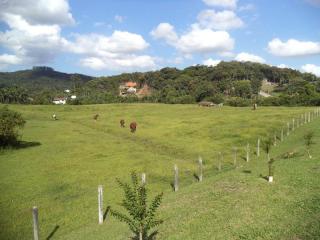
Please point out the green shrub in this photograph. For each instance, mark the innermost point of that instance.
(10, 123)
(238, 102)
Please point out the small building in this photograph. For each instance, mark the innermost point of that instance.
(127, 88)
(67, 91)
(59, 100)
(73, 97)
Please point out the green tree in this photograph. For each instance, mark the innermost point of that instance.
(10, 123)
(142, 218)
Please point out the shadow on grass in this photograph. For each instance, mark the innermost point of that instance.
(264, 177)
(247, 171)
(196, 177)
(20, 145)
(106, 213)
(53, 232)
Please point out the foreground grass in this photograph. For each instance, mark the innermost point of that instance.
(76, 154)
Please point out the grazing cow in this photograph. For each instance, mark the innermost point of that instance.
(122, 123)
(95, 117)
(133, 127)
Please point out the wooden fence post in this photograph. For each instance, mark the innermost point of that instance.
(143, 178)
(248, 152)
(100, 204)
(258, 147)
(176, 178)
(200, 169)
(35, 223)
(288, 130)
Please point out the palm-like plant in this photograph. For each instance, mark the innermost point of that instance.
(142, 218)
(308, 137)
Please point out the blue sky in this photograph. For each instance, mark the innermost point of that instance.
(109, 37)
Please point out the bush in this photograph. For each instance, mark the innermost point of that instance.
(10, 122)
(239, 102)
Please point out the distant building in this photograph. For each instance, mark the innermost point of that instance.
(127, 88)
(67, 91)
(59, 100)
(73, 97)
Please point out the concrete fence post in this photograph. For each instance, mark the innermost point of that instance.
(143, 178)
(100, 204)
(176, 178)
(274, 139)
(248, 152)
(288, 129)
(258, 147)
(309, 117)
(200, 169)
(293, 124)
(35, 223)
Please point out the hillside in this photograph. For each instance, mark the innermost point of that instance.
(67, 159)
(234, 83)
(42, 78)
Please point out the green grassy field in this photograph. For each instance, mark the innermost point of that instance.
(72, 156)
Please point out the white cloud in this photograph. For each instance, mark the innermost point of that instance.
(165, 31)
(293, 48)
(211, 62)
(247, 57)
(39, 11)
(196, 40)
(120, 51)
(282, 66)
(311, 68)
(6, 59)
(32, 44)
(222, 20)
(119, 18)
(221, 3)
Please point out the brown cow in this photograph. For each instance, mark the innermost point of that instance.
(133, 127)
(122, 123)
(95, 117)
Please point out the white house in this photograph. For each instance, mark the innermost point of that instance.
(73, 97)
(59, 100)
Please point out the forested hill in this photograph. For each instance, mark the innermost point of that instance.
(42, 78)
(235, 82)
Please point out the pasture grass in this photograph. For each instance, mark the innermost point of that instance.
(64, 161)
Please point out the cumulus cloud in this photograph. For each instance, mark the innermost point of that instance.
(7, 59)
(31, 43)
(120, 51)
(39, 11)
(211, 62)
(196, 40)
(311, 68)
(222, 20)
(293, 47)
(221, 3)
(247, 57)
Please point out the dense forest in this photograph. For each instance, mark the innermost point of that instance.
(234, 83)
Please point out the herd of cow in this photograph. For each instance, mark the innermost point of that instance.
(133, 125)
